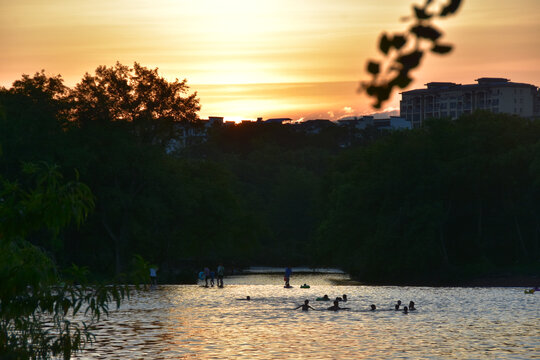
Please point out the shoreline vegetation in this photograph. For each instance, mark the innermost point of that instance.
(499, 279)
(454, 199)
(518, 281)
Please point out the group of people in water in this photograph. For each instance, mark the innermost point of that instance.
(335, 307)
(209, 276)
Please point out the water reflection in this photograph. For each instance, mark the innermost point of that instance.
(192, 322)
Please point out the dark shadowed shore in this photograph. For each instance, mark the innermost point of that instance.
(487, 281)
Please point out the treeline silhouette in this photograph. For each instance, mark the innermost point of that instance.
(453, 200)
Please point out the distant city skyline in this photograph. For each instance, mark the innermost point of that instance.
(301, 59)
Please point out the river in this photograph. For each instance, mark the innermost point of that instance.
(193, 322)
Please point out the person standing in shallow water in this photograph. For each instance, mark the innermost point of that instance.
(206, 276)
(153, 276)
(220, 274)
(287, 278)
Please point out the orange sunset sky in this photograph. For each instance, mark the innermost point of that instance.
(251, 58)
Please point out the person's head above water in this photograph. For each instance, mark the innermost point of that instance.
(306, 301)
(399, 302)
(248, 298)
(405, 310)
(325, 296)
(373, 307)
(411, 305)
(396, 307)
(344, 297)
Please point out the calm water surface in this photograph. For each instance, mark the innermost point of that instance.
(193, 322)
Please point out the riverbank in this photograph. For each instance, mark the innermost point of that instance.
(447, 279)
(528, 281)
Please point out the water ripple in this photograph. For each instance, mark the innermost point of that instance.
(192, 322)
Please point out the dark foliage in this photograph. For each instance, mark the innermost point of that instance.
(403, 52)
(450, 199)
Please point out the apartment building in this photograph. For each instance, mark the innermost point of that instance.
(447, 99)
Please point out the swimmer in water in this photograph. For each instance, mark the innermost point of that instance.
(305, 306)
(397, 305)
(411, 306)
(344, 297)
(324, 298)
(373, 307)
(247, 298)
(405, 310)
(336, 307)
(339, 299)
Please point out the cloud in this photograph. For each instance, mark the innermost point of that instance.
(391, 109)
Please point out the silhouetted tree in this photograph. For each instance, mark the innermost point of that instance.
(139, 96)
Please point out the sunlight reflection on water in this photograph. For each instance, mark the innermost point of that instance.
(193, 322)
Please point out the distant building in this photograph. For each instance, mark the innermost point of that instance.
(193, 133)
(314, 126)
(275, 120)
(362, 122)
(217, 120)
(446, 99)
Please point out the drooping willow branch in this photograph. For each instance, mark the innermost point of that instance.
(403, 52)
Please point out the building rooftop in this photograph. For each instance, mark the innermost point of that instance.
(481, 83)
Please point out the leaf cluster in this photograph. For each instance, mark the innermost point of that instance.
(403, 52)
(39, 309)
